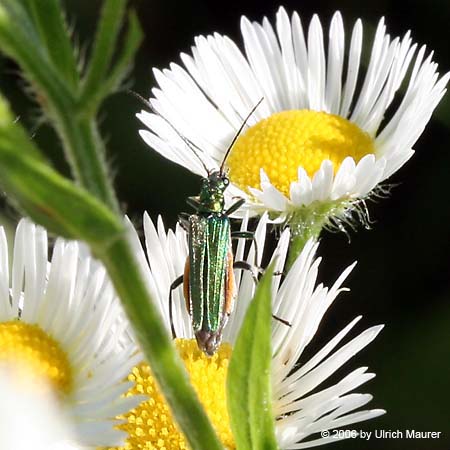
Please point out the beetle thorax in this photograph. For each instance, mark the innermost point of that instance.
(212, 201)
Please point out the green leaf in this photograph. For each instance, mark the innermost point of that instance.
(15, 12)
(47, 197)
(51, 25)
(104, 46)
(20, 40)
(122, 66)
(249, 375)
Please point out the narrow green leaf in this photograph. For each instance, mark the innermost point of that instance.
(122, 66)
(47, 197)
(54, 202)
(20, 40)
(105, 43)
(249, 375)
(133, 38)
(15, 11)
(52, 27)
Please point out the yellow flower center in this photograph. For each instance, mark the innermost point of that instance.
(34, 355)
(151, 426)
(288, 140)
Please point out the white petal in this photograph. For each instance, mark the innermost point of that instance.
(6, 312)
(352, 69)
(335, 64)
(269, 195)
(322, 181)
(316, 64)
(345, 179)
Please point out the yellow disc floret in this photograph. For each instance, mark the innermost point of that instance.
(151, 426)
(34, 355)
(288, 140)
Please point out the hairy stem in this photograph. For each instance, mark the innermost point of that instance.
(158, 348)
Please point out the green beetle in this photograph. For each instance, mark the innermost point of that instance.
(208, 279)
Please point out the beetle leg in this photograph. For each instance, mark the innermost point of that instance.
(279, 319)
(183, 220)
(246, 266)
(235, 206)
(173, 286)
(194, 202)
(247, 235)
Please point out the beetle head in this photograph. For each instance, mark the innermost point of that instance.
(217, 181)
(212, 193)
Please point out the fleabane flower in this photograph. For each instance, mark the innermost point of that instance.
(326, 132)
(60, 322)
(303, 402)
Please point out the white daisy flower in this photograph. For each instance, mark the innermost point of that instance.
(61, 322)
(322, 137)
(303, 403)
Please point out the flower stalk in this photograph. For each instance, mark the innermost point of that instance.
(304, 224)
(157, 345)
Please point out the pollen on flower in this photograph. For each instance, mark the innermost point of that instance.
(288, 140)
(34, 355)
(150, 426)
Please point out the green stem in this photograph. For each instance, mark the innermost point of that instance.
(157, 347)
(297, 244)
(305, 224)
(85, 151)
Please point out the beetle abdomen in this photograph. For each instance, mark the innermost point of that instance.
(209, 248)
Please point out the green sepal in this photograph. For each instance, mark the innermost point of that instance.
(249, 375)
(307, 222)
(48, 198)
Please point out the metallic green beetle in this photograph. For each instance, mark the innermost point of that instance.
(208, 278)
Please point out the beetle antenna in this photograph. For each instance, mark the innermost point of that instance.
(238, 133)
(192, 147)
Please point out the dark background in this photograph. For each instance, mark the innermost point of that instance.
(402, 278)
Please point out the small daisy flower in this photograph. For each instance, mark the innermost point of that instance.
(326, 133)
(61, 322)
(302, 402)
